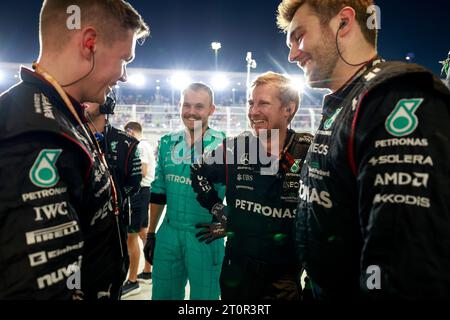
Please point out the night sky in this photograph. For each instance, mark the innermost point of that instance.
(182, 32)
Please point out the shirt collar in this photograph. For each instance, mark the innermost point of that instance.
(34, 79)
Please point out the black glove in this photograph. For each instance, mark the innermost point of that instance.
(219, 212)
(210, 232)
(149, 248)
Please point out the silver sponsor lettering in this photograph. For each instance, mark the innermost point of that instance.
(103, 212)
(245, 187)
(312, 195)
(264, 210)
(59, 252)
(178, 179)
(317, 173)
(319, 148)
(292, 199)
(244, 177)
(58, 275)
(323, 133)
(42, 257)
(291, 185)
(203, 183)
(37, 103)
(51, 211)
(403, 142)
(47, 108)
(103, 189)
(402, 159)
(37, 259)
(42, 194)
(415, 179)
(403, 199)
(290, 174)
(98, 175)
(82, 139)
(51, 233)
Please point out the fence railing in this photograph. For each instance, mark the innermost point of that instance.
(158, 119)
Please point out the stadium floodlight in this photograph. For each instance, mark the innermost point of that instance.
(137, 80)
(220, 82)
(410, 56)
(2, 76)
(298, 83)
(180, 81)
(216, 46)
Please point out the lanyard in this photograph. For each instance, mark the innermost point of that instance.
(39, 70)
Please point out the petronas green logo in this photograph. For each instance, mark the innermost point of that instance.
(296, 166)
(44, 173)
(327, 125)
(114, 146)
(403, 120)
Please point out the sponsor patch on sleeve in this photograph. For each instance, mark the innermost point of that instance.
(44, 173)
(403, 120)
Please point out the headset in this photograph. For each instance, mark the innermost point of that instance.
(342, 25)
(110, 104)
(90, 44)
(107, 108)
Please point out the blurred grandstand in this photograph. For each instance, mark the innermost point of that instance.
(151, 97)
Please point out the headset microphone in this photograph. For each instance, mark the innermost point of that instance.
(110, 104)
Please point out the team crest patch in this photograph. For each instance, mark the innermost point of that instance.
(403, 120)
(296, 166)
(44, 173)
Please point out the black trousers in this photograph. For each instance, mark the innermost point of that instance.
(246, 278)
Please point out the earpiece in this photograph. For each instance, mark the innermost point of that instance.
(343, 24)
(90, 44)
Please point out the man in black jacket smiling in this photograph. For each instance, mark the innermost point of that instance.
(261, 171)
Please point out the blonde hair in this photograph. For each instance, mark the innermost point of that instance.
(288, 92)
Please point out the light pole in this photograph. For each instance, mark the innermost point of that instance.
(251, 64)
(216, 46)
